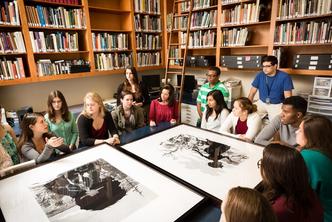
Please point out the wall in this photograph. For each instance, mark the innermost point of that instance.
(35, 95)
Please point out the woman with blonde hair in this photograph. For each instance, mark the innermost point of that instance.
(243, 121)
(245, 204)
(95, 123)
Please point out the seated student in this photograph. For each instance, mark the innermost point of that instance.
(95, 123)
(60, 120)
(5, 160)
(243, 121)
(8, 141)
(283, 127)
(315, 139)
(286, 185)
(216, 111)
(126, 116)
(245, 204)
(36, 142)
(165, 108)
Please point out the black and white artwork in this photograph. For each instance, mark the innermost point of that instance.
(91, 187)
(99, 184)
(207, 149)
(207, 160)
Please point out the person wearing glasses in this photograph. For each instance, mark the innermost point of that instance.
(273, 86)
(286, 185)
(213, 84)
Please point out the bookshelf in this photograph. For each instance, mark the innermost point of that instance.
(148, 33)
(141, 36)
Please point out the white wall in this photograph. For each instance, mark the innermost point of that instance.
(35, 95)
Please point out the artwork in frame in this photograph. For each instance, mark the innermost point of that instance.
(98, 184)
(208, 161)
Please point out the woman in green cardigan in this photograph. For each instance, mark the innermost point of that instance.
(314, 136)
(60, 120)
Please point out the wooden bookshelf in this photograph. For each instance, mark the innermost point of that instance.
(118, 16)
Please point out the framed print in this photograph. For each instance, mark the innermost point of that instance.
(322, 86)
(209, 161)
(99, 184)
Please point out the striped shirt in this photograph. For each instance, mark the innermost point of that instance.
(205, 89)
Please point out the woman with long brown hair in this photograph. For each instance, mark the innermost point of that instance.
(60, 120)
(36, 142)
(136, 87)
(245, 204)
(165, 108)
(286, 185)
(314, 136)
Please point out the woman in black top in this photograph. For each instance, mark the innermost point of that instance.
(95, 123)
(137, 88)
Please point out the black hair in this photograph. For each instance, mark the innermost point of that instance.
(215, 69)
(271, 59)
(298, 103)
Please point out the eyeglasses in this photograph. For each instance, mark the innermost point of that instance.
(267, 66)
(212, 76)
(259, 163)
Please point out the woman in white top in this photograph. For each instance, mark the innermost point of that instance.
(243, 121)
(216, 111)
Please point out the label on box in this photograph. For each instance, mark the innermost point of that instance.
(313, 62)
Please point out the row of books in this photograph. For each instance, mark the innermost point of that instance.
(54, 42)
(147, 23)
(147, 6)
(110, 41)
(11, 42)
(306, 32)
(204, 19)
(148, 59)
(241, 14)
(198, 4)
(234, 37)
(226, 2)
(9, 13)
(279, 53)
(58, 17)
(11, 69)
(174, 53)
(69, 2)
(302, 8)
(111, 61)
(46, 67)
(200, 39)
(148, 41)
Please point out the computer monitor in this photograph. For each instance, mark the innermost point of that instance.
(152, 82)
(189, 82)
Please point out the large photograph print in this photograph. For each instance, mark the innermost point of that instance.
(99, 184)
(209, 161)
(89, 190)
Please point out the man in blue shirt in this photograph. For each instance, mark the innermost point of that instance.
(273, 86)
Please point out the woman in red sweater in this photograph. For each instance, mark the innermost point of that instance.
(286, 185)
(165, 108)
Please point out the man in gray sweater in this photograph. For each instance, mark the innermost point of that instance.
(283, 127)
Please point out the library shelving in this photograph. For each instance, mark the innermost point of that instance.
(148, 33)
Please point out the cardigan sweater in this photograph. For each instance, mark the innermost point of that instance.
(254, 124)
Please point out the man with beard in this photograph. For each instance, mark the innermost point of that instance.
(283, 127)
